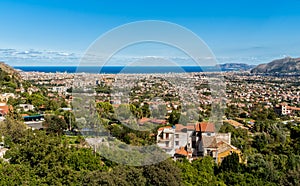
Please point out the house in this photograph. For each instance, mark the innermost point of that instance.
(236, 124)
(26, 107)
(4, 97)
(224, 149)
(172, 138)
(59, 89)
(183, 137)
(183, 152)
(196, 140)
(285, 109)
(165, 139)
(2, 152)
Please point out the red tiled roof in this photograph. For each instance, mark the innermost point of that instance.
(294, 108)
(181, 151)
(143, 120)
(190, 127)
(205, 127)
(158, 121)
(5, 108)
(178, 127)
(162, 128)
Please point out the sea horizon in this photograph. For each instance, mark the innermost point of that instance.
(117, 69)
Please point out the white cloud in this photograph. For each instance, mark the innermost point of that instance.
(38, 57)
(31, 57)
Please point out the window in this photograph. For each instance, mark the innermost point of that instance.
(167, 135)
(177, 135)
(176, 143)
(167, 144)
(209, 153)
(193, 144)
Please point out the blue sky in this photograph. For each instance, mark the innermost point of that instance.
(57, 32)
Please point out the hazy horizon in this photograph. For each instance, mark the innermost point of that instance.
(42, 33)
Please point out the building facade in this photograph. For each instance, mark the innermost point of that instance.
(196, 140)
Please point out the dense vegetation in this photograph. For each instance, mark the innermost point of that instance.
(8, 82)
(271, 151)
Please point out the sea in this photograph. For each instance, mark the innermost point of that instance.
(117, 69)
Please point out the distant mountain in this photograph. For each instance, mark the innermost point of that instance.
(235, 67)
(285, 65)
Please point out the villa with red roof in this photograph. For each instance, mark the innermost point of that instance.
(195, 140)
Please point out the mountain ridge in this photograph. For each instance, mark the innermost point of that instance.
(284, 65)
(235, 66)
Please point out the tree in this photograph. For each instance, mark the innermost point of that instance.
(199, 172)
(48, 160)
(55, 124)
(12, 130)
(230, 163)
(123, 112)
(174, 117)
(105, 110)
(260, 142)
(70, 119)
(163, 173)
(52, 105)
(36, 99)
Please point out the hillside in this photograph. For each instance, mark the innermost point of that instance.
(285, 65)
(235, 67)
(10, 71)
(10, 79)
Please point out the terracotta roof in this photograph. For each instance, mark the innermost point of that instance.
(155, 121)
(5, 108)
(181, 151)
(162, 128)
(180, 127)
(293, 108)
(143, 120)
(236, 124)
(190, 127)
(158, 121)
(205, 127)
